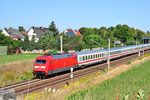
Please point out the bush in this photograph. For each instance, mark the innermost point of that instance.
(54, 51)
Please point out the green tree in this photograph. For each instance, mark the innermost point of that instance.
(139, 33)
(32, 43)
(46, 42)
(21, 28)
(5, 41)
(123, 33)
(53, 29)
(93, 41)
(82, 30)
(38, 44)
(73, 43)
(89, 31)
(26, 43)
(17, 44)
(103, 31)
(96, 31)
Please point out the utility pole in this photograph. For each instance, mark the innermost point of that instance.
(143, 48)
(61, 42)
(136, 41)
(108, 61)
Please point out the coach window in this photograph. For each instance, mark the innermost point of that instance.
(102, 54)
(83, 58)
(88, 56)
(80, 59)
(50, 62)
(96, 55)
(93, 56)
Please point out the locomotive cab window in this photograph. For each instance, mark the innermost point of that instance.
(40, 61)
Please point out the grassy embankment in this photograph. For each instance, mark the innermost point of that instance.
(131, 85)
(6, 59)
(116, 84)
(16, 67)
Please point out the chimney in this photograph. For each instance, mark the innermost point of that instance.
(41, 28)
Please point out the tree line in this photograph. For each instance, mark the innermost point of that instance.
(92, 38)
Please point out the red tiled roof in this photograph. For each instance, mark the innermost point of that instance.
(70, 30)
(78, 33)
(15, 36)
(24, 33)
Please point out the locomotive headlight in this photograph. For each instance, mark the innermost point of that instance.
(42, 66)
(36, 66)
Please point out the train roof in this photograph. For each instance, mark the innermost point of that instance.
(59, 56)
(56, 56)
(104, 50)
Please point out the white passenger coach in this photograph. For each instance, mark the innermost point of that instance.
(94, 56)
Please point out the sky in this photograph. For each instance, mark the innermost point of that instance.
(75, 13)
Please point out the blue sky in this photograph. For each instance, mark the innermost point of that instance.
(75, 13)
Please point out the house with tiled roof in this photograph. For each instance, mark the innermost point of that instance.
(37, 32)
(71, 32)
(13, 33)
(24, 33)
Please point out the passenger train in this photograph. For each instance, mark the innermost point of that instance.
(50, 64)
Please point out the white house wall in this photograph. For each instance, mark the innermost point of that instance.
(5, 33)
(31, 33)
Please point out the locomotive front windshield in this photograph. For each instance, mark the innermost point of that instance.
(40, 61)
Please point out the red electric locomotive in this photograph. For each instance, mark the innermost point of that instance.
(50, 64)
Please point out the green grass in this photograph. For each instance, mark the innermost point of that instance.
(5, 59)
(128, 83)
(129, 62)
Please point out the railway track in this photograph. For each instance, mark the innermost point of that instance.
(25, 87)
(10, 86)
